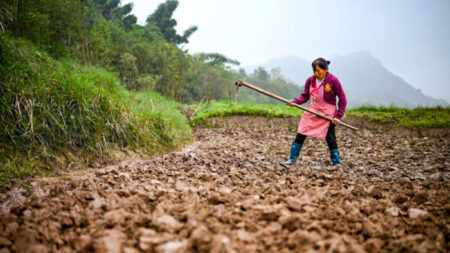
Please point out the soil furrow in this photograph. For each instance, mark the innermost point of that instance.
(226, 192)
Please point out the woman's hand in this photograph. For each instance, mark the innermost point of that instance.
(291, 103)
(336, 121)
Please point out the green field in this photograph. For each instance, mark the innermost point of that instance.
(227, 108)
(437, 117)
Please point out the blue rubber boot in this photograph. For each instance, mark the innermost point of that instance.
(295, 152)
(335, 157)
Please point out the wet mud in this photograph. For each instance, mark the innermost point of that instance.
(226, 192)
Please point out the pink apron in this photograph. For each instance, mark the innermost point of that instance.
(312, 125)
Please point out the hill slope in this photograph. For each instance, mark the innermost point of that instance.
(50, 109)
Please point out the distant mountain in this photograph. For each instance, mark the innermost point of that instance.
(364, 79)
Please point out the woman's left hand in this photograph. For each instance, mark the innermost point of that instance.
(291, 103)
(336, 121)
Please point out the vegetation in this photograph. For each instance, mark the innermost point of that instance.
(49, 107)
(273, 82)
(227, 108)
(162, 18)
(146, 57)
(436, 117)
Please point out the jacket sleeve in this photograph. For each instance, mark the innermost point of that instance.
(342, 99)
(305, 94)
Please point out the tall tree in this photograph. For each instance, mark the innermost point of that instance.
(162, 18)
(112, 10)
(216, 59)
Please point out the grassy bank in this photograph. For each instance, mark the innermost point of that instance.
(50, 108)
(228, 108)
(437, 117)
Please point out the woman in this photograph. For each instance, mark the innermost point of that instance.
(321, 89)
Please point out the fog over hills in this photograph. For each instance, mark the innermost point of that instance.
(364, 79)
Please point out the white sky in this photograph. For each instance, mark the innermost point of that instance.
(410, 37)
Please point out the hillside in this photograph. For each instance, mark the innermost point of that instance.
(60, 114)
(365, 80)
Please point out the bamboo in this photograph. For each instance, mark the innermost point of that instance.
(242, 83)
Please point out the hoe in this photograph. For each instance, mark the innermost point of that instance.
(242, 83)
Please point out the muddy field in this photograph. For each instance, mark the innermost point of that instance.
(227, 193)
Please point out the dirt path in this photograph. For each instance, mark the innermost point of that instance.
(227, 193)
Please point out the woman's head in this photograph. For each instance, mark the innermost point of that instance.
(320, 67)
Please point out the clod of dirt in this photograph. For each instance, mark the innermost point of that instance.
(393, 211)
(374, 245)
(149, 239)
(216, 199)
(421, 197)
(130, 250)
(4, 242)
(415, 213)
(201, 239)
(167, 223)
(400, 198)
(115, 217)
(110, 242)
(221, 244)
(297, 204)
(372, 229)
(301, 240)
(173, 247)
(83, 243)
(376, 193)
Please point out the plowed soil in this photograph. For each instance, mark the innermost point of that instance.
(226, 192)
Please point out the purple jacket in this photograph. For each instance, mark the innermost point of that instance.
(329, 96)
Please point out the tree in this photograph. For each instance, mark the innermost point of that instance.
(111, 10)
(128, 22)
(216, 59)
(162, 18)
(128, 70)
(261, 74)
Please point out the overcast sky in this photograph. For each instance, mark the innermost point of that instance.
(410, 37)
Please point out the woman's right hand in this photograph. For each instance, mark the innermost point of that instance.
(291, 103)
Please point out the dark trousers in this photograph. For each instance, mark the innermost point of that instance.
(330, 138)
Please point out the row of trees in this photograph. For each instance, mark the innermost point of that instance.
(105, 33)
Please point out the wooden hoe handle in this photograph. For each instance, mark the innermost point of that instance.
(242, 83)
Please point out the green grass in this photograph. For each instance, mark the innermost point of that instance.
(228, 108)
(436, 117)
(49, 108)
